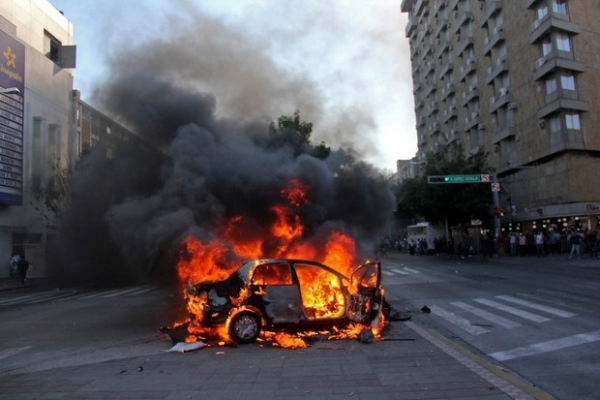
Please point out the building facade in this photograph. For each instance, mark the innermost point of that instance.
(518, 81)
(36, 55)
(45, 126)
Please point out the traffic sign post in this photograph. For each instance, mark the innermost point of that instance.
(481, 178)
(458, 178)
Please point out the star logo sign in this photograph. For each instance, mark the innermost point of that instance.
(10, 57)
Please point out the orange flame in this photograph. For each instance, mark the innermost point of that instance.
(213, 261)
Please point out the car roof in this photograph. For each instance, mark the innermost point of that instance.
(246, 269)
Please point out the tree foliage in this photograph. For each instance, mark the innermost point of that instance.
(454, 203)
(304, 130)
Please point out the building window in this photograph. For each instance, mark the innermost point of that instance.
(502, 52)
(562, 42)
(572, 121)
(542, 10)
(36, 153)
(567, 81)
(555, 124)
(51, 47)
(559, 7)
(546, 45)
(551, 85)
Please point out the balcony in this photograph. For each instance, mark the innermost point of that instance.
(446, 69)
(531, 3)
(472, 120)
(467, 41)
(411, 26)
(554, 61)
(500, 99)
(467, 68)
(449, 114)
(452, 136)
(494, 7)
(469, 94)
(493, 71)
(463, 19)
(407, 5)
(552, 21)
(419, 6)
(443, 47)
(447, 89)
(435, 128)
(506, 132)
(497, 36)
(562, 103)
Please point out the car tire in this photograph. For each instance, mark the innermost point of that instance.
(244, 327)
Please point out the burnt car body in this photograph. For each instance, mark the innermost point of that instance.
(292, 294)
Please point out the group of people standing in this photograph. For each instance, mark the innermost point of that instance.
(574, 242)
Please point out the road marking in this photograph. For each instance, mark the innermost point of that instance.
(496, 319)
(414, 271)
(102, 293)
(13, 300)
(11, 352)
(536, 306)
(545, 347)
(388, 273)
(147, 289)
(458, 321)
(121, 292)
(52, 297)
(511, 310)
(399, 271)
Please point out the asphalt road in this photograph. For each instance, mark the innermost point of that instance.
(537, 316)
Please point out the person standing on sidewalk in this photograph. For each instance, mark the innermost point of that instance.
(23, 267)
(575, 241)
(596, 242)
(539, 244)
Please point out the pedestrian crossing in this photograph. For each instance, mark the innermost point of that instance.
(402, 270)
(508, 312)
(9, 299)
(479, 316)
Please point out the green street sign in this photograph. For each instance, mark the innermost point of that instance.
(463, 178)
(457, 178)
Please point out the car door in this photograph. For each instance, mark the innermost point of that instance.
(273, 288)
(365, 295)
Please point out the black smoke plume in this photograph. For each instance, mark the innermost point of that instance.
(198, 162)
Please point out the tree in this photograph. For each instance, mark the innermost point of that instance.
(448, 203)
(303, 131)
(303, 128)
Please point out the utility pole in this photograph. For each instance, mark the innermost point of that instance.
(496, 200)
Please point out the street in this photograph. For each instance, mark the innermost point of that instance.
(530, 327)
(536, 316)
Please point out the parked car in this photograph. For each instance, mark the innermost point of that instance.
(295, 295)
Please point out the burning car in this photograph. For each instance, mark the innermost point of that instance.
(290, 294)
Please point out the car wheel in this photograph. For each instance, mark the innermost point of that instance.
(244, 327)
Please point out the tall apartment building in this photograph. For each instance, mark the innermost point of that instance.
(518, 80)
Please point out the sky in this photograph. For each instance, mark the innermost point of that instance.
(343, 64)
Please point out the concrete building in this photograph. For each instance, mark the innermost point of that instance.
(36, 55)
(519, 81)
(45, 126)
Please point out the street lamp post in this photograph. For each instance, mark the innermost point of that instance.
(10, 90)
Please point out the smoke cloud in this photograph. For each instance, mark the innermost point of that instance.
(202, 102)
